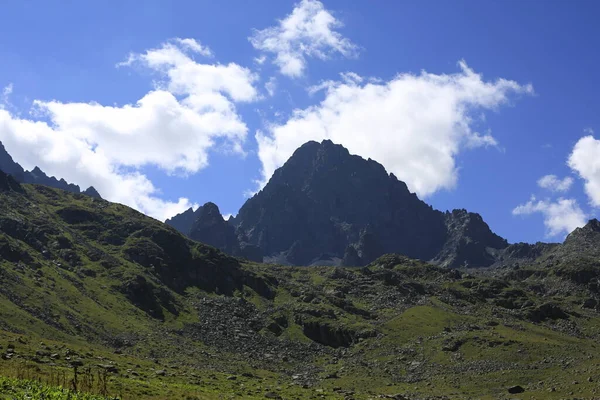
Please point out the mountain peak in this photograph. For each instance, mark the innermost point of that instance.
(92, 192)
(210, 208)
(324, 199)
(593, 224)
(589, 234)
(327, 206)
(182, 222)
(210, 227)
(36, 170)
(9, 166)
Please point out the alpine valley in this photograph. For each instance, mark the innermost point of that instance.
(334, 281)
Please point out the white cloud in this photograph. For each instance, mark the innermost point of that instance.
(554, 184)
(260, 60)
(309, 31)
(585, 160)
(6, 92)
(415, 125)
(173, 127)
(560, 217)
(195, 46)
(271, 86)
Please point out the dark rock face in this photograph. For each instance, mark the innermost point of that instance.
(351, 257)
(547, 311)
(469, 242)
(207, 225)
(585, 239)
(37, 176)
(250, 252)
(326, 201)
(143, 295)
(10, 167)
(327, 335)
(92, 192)
(325, 206)
(183, 222)
(581, 247)
(522, 253)
(8, 183)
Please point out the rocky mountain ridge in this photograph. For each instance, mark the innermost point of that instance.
(325, 206)
(37, 176)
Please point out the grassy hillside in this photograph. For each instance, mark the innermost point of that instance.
(98, 298)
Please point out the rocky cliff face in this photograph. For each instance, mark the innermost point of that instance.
(324, 200)
(469, 241)
(9, 184)
(523, 253)
(183, 222)
(37, 176)
(10, 167)
(585, 239)
(325, 206)
(207, 225)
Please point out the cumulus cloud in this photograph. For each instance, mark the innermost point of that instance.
(554, 184)
(414, 124)
(560, 217)
(585, 161)
(173, 127)
(309, 31)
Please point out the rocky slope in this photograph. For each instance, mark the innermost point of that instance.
(325, 206)
(37, 176)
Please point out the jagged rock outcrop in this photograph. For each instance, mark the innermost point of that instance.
(9, 166)
(581, 247)
(323, 199)
(326, 201)
(183, 222)
(325, 206)
(92, 192)
(469, 241)
(208, 226)
(584, 240)
(522, 253)
(38, 177)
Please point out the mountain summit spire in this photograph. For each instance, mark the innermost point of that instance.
(325, 206)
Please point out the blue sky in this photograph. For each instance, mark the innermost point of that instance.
(478, 135)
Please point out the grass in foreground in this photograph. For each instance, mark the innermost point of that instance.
(25, 389)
